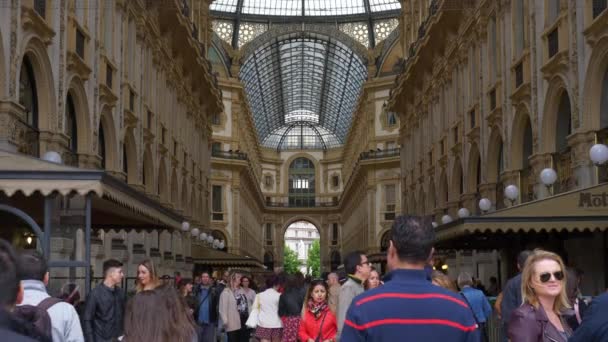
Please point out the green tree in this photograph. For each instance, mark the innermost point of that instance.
(291, 265)
(313, 264)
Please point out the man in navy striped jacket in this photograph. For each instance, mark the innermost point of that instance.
(408, 307)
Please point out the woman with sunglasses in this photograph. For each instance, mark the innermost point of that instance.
(540, 317)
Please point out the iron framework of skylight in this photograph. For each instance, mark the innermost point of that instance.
(268, 12)
(306, 82)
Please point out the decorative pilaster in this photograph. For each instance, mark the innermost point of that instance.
(583, 169)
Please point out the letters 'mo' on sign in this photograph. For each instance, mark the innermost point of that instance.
(589, 200)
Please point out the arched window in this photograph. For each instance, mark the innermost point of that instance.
(101, 149)
(71, 130)
(302, 183)
(28, 96)
(125, 164)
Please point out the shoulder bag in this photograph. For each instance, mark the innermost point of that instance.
(254, 315)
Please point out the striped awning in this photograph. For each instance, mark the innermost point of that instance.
(28, 175)
(575, 211)
(211, 257)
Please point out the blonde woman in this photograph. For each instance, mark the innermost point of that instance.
(540, 317)
(147, 277)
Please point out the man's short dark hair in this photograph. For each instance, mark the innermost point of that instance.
(522, 257)
(9, 279)
(32, 266)
(413, 238)
(110, 263)
(351, 261)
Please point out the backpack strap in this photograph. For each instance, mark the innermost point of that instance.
(46, 303)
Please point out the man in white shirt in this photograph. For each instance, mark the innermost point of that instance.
(35, 277)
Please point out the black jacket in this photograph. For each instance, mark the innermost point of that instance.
(103, 314)
(290, 303)
(594, 327)
(11, 329)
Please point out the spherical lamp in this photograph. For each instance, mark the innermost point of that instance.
(485, 204)
(209, 238)
(434, 224)
(216, 243)
(185, 226)
(53, 157)
(195, 232)
(202, 236)
(446, 219)
(598, 154)
(548, 176)
(511, 192)
(463, 212)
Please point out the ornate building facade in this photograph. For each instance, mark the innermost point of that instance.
(123, 87)
(491, 94)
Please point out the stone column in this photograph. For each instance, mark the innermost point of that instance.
(511, 177)
(469, 201)
(583, 169)
(488, 190)
(452, 208)
(539, 162)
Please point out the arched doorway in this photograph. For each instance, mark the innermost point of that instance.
(302, 250)
(302, 183)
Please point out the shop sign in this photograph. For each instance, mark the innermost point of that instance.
(591, 200)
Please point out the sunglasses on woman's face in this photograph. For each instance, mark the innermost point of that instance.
(546, 276)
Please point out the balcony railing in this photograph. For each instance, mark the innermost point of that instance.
(527, 185)
(300, 204)
(30, 143)
(229, 155)
(563, 166)
(377, 154)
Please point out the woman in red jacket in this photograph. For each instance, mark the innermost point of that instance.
(318, 322)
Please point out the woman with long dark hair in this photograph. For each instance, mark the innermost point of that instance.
(290, 309)
(318, 322)
(158, 316)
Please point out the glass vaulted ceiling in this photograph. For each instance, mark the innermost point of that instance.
(304, 7)
(303, 89)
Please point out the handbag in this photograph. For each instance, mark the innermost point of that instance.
(254, 315)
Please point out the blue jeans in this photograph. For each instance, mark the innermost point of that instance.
(208, 333)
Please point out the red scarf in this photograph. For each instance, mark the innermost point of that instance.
(317, 308)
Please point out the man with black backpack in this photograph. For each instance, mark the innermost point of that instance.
(52, 316)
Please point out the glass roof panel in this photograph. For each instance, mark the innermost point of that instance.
(224, 5)
(311, 7)
(303, 79)
(384, 5)
(333, 8)
(273, 7)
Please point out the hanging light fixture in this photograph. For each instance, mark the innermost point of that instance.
(485, 204)
(463, 212)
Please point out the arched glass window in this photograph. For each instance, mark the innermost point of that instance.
(101, 149)
(302, 183)
(28, 96)
(71, 130)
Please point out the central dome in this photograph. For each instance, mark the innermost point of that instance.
(303, 88)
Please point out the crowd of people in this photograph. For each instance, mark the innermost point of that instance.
(413, 302)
